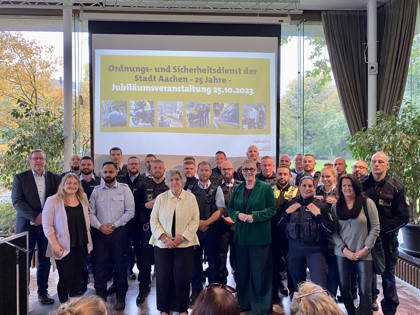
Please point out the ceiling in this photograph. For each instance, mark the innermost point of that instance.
(195, 6)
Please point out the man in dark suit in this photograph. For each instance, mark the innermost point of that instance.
(29, 192)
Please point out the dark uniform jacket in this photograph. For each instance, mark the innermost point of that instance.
(88, 186)
(305, 227)
(391, 202)
(134, 185)
(146, 192)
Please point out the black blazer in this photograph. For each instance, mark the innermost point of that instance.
(25, 198)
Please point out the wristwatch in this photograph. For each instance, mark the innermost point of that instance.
(113, 226)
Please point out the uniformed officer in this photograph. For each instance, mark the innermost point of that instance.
(307, 222)
(252, 154)
(134, 180)
(360, 169)
(267, 174)
(211, 204)
(393, 209)
(227, 229)
(283, 193)
(309, 169)
(216, 173)
(74, 166)
(115, 155)
(145, 198)
(189, 169)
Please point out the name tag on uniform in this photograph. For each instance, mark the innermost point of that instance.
(385, 203)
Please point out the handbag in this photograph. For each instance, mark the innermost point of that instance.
(377, 251)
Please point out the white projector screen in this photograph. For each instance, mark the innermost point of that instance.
(175, 96)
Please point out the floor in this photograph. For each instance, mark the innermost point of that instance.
(409, 299)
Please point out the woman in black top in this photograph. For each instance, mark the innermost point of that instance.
(66, 225)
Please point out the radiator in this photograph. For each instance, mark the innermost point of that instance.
(408, 272)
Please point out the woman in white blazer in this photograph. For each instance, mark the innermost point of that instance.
(174, 223)
(66, 225)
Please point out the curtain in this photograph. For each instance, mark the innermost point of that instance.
(345, 34)
(396, 26)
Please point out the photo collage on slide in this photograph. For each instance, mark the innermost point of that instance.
(167, 114)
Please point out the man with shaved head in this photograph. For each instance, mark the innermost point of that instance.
(360, 169)
(286, 161)
(252, 154)
(393, 208)
(340, 166)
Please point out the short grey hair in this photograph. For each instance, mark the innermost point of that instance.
(36, 151)
(171, 173)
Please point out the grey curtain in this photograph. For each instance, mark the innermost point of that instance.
(396, 26)
(345, 34)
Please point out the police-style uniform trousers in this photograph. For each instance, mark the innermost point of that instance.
(147, 192)
(209, 240)
(226, 239)
(133, 249)
(393, 209)
(279, 243)
(306, 248)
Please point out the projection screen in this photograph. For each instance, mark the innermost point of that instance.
(176, 95)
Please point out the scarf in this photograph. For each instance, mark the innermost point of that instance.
(344, 213)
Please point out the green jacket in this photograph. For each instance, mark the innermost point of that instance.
(261, 205)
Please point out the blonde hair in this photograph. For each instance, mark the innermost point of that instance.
(86, 305)
(330, 169)
(80, 194)
(311, 299)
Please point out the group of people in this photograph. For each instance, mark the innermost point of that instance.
(273, 223)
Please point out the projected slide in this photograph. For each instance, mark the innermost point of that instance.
(184, 102)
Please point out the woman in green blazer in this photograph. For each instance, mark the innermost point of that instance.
(251, 206)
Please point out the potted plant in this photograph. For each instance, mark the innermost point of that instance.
(398, 135)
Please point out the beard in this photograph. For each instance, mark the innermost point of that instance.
(109, 180)
(75, 168)
(86, 171)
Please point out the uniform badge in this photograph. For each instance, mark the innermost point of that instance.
(407, 201)
(149, 197)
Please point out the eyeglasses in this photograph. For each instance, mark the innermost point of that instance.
(359, 167)
(37, 159)
(232, 290)
(246, 170)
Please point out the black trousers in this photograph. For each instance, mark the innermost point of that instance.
(70, 270)
(363, 269)
(133, 244)
(173, 271)
(146, 259)
(226, 242)
(109, 255)
(390, 301)
(210, 244)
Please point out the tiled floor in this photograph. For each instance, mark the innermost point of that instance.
(409, 299)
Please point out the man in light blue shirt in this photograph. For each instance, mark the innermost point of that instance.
(111, 206)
